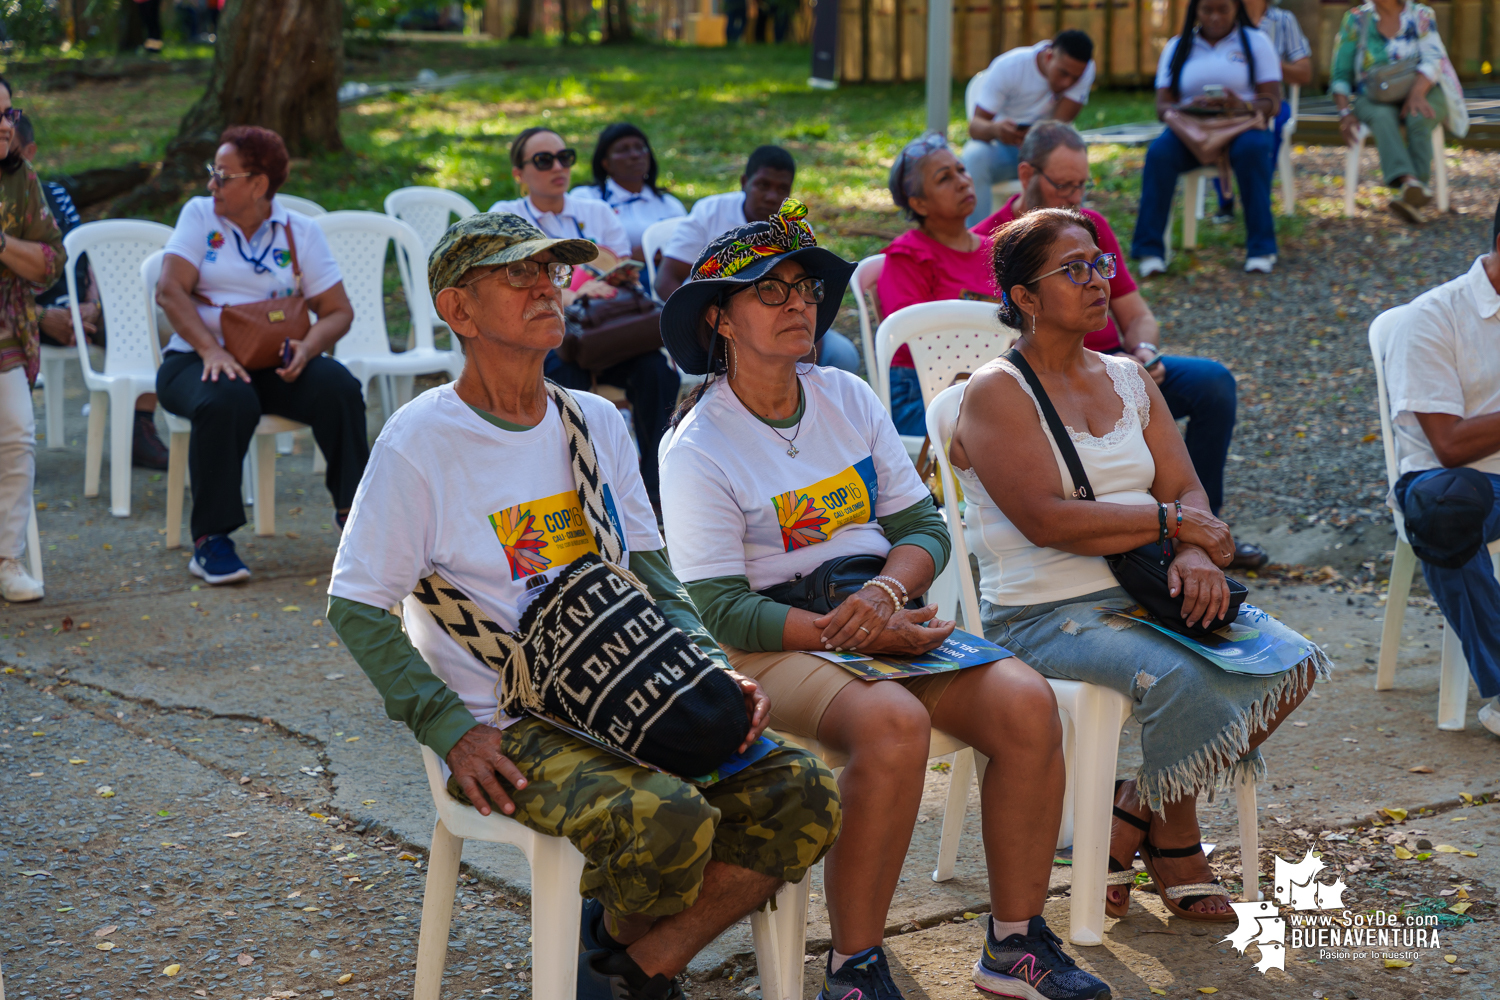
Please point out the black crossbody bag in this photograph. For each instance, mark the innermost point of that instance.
(1141, 572)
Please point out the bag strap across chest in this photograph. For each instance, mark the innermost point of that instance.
(1082, 490)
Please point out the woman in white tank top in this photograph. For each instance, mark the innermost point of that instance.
(1041, 549)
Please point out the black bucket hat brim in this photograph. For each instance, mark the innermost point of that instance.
(681, 315)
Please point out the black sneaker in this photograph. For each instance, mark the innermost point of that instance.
(146, 448)
(865, 976)
(607, 975)
(592, 934)
(1033, 966)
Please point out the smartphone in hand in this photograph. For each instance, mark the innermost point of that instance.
(287, 353)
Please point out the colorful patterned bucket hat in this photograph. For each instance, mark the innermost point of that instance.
(736, 260)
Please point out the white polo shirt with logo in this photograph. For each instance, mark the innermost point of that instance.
(235, 268)
(1223, 63)
(581, 218)
(636, 210)
(1015, 89)
(710, 218)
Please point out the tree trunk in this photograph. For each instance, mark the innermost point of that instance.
(617, 21)
(522, 27)
(279, 66)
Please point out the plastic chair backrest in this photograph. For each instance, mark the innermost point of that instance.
(942, 418)
(150, 276)
(971, 94)
(1381, 330)
(656, 237)
(946, 338)
(866, 275)
(305, 206)
(359, 241)
(1295, 100)
(427, 210)
(116, 248)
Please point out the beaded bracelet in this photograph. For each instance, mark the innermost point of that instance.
(1161, 520)
(1178, 530)
(905, 595)
(895, 603)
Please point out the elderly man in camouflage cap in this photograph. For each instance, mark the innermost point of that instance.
(469, 481)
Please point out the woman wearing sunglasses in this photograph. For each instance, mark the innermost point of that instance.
(777, 468)
(1042, 578)
(31, 257)
(542, 164)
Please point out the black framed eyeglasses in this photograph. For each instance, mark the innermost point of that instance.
(544, 160)
(12, 115)
(524, 273)
(1078, 270)
(775, 292)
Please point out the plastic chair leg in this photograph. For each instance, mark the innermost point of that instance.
(403, 386)
(944, 593)
(437, 915)
(556, 908)
(959, 778)
(1288, 178)
(780, 937)
(1190, 195)
(33, 552)
(1244, 800)
(177, 455)
(1440, 169)
(121, 431)
(1402, 568)
(1453, 682)
(265, 484)
(1351, 173)
(55, 401)
(1166, 236)
(1066, 831)
(284, 443)
(1096, 729)
(93, 449)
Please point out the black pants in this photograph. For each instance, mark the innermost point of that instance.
(150, 11)
(224, 414)
(650, 385)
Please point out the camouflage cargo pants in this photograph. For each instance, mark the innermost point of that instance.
(646, 836)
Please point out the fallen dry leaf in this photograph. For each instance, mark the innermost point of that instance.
(1446, 849)
(1450, 959)
(236, 836)
(171, 970)
(291, 607)
(1207, 989)
(1403, 853)
(245, 958)
(1160, 993)
(1399, 815)
(1396, 963)
(295, 894)
(104, 792)
(1460, 908)
(1421, 769)
(105, 946)
(106, 931)
(341, 980)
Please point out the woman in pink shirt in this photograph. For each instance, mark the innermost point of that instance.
(939, 259)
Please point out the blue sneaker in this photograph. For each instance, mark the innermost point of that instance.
(215, 561)
(865, 976)
(592, 934)
(602, 976)
(1033, 966)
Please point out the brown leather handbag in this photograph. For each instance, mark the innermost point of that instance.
(255, 331)
(1208, 137)
(601, 333)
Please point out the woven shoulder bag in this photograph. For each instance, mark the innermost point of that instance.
(595, 654)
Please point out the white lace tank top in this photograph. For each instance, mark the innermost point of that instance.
(1013, 571)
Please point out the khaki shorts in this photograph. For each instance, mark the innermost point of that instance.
(801, 686)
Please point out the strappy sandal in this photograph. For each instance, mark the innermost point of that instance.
(1122, 874)
(1178, 898)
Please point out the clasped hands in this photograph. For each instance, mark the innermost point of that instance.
(1204, 546)
(868, 621)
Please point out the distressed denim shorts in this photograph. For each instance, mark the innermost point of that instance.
(1196, 719)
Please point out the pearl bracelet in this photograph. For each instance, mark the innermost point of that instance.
(895, 602)
(905, 596)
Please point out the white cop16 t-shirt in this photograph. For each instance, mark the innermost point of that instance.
(1014, 88)
(735, 504)
(710, 218)
(494, 511)
(234, 268)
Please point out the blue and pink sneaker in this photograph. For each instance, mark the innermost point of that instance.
(1033, 966)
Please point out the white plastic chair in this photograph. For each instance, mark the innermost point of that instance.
(427, 210)
(1000, 190)
(260, 463)
(656, 237)
(116, 248)
(358, 241)
(946, 338)
(54, 370)
(34, 557)
(305, 206)
(1284, 155)
(1092, 717)
(866, 276)
(1439, 168)
(557, 909)
(1453, 676)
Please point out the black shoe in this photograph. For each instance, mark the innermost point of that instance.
(146, 448)
(1247, 556)
(612, 975)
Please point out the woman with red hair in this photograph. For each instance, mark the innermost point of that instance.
(235, 247)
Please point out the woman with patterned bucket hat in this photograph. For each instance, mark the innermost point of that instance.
(778, 474)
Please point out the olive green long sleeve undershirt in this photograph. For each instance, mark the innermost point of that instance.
(433, 711)
(739, 617)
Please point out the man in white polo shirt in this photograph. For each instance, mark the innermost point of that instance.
(1021, 87)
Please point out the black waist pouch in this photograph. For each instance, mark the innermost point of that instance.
(826, 587)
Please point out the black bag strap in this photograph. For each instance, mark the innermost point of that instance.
(1082, 489)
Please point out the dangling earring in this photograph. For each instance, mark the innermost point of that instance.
(734, 360)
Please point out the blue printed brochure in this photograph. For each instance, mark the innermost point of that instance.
(958, 651)
(1245, 646)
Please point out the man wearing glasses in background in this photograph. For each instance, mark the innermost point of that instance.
(1054, 173)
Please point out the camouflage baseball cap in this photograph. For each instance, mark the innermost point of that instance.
(495, 238)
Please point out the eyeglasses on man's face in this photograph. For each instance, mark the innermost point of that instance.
(775, 292)
(1068, 189)
(524, 273)
(545, 160)
(219, 177)
(1078, 270)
